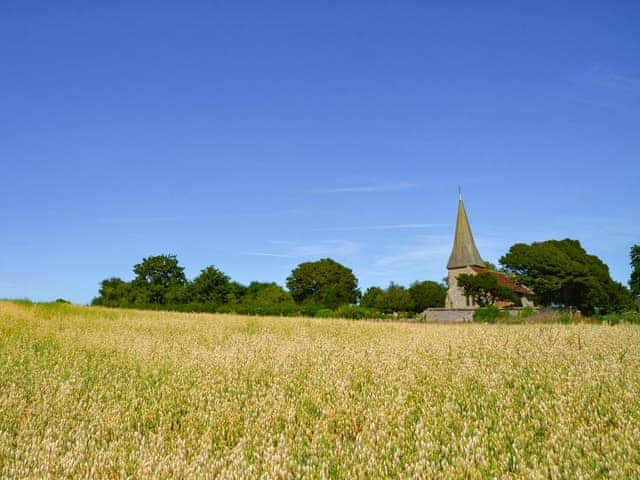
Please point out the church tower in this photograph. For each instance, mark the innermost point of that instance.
(464, 257)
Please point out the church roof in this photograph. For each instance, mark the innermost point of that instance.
(464, 253)
(505, 281)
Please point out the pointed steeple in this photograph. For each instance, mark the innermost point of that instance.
(465, 252)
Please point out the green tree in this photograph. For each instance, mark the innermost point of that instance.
(158, 279)
(562, 273)
(211, 287)
(324, 282)
(634, 281)
(266, 299)
(490, 266)
(114, 292)
(427, 294)
(395, 298)
(371, 298)
(485, 289)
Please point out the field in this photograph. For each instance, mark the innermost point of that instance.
(99, 393)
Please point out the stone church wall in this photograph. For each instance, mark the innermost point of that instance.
(455, 294)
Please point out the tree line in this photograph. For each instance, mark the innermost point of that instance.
(560, 272)
(318, 288)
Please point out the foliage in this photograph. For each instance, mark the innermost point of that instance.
(211, 287)
(159, 279)
(490, 266)
(357, 312)
(97, 393)
(372, 297)
(562, 273)
(266, 299)
(427, 294)
(634, 280)
(485, 289)
(527, 312)
(352, 312)
(325, 313)
(617, 318)
(489, 314)
(324, 282)
(114, 292)
(395, 298)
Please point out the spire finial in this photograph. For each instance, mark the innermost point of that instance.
(459, 193)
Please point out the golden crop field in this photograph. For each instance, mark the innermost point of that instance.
(98, 393)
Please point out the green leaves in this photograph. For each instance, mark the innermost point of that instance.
(562, 273)
(485, 289)
(157, 275)
(324, 282)
(634, 280)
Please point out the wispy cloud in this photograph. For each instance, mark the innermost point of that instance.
(602, 87)
(605, 77)
(342, 248)
(385, 187)
(221, 214)
(400, 226)
(414, 254)
(266, 254)
(158, 219)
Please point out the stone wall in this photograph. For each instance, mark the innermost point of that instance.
(455, 294)
(457, 315)
(449, 315)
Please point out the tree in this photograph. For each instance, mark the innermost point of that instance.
(371, 298)
(485, 289)
(211, 287)
(396, 298)
(634, 281)
(324, 282)
(266, 299)
(114, 292)
(427, 294)
(156, 277)
(490, 266)
(562, 273)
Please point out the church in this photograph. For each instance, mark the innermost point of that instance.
(465, 258)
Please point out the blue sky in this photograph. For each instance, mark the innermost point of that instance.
(255, 136)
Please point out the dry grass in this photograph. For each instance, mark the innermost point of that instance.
(89, 392)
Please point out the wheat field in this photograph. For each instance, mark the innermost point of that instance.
(99, 393)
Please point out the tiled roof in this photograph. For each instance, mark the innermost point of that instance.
(505, 281)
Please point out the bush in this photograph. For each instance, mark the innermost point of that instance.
(527, 311)
(351, 312)
(490, 314)
(358, 313)
(325, 313)
(616, 318)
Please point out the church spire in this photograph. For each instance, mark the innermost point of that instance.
(465, 252)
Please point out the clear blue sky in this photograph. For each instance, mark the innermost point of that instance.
(255, 136)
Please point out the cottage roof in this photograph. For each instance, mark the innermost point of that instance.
(465, 252)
